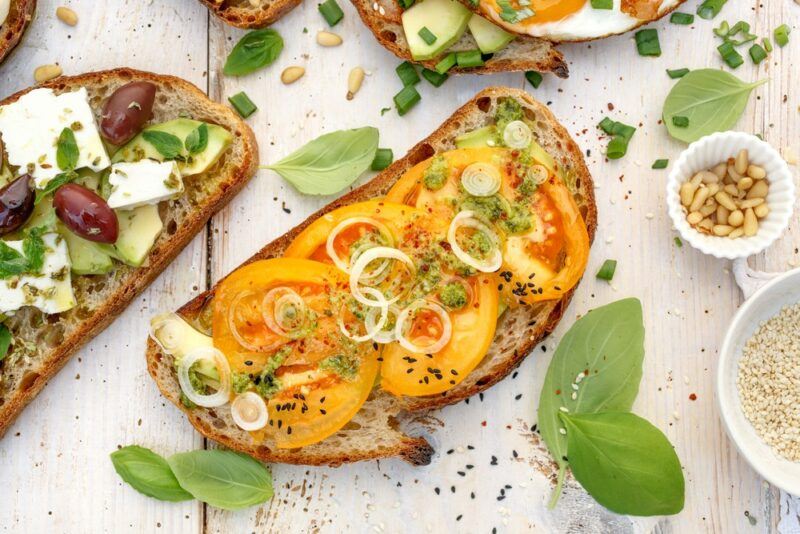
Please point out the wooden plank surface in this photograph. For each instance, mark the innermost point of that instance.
(56, 474)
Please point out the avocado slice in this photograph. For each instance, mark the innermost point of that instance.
(446, 19)
(490, 38)
(86, 257)
(218, 140)
(487, 136)
(138, 230)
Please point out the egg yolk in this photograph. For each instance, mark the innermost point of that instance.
(554, 10)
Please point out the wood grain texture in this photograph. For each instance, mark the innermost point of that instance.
(59, 463)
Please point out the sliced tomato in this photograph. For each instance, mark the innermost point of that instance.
(473, 327)
(541, 263)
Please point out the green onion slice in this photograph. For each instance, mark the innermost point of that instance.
(407, 73)
(242, 104)
(331, 12)
(383, 158)
(607, 271)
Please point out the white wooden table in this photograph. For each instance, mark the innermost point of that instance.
(55, 475)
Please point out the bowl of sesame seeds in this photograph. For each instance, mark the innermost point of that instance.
(758, 381)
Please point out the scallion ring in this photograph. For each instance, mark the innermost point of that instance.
(481, 179)
(249, 411)
(357, 271)
(220, 363)
(373, 329)
(345, 265)
(468, 219)
(232, 326)
(517, 134)
(165, 330)
(288, 314)
(386, 333)
(430, 348)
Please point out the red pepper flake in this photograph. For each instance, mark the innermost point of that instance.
(483, 423)
(692, 397)
(558, 392)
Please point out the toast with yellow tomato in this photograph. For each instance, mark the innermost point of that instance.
(419, 289)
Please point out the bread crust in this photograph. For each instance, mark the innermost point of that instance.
(248, 17)
(414, 450)
(160, 256)
(11, 31)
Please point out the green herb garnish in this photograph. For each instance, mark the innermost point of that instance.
(5, 341)
(67, 150)
(622, 134)
(660, 164)
(242, 104)
(469, 58)
(781, 35)
(254, 51)
(434, 78)
(331, 12)
(197, 140)
(710, 8)
(757, 53)
(406, 99)
(426, 35)
(602, 4)
(677, 73)
(407, 73)
(681, 18)
(680, 121)
(647, 42)
(730, 55)
(383, 158)
(534, 78)
(446, 63)
(607, 270)
(165, 143)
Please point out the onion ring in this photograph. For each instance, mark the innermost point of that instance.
(470, 220)
(329, 244)
(222, 395)
(249, 411)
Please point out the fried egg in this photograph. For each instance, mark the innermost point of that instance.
(573, 20)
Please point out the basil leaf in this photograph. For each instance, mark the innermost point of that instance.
(625, 463)
(148, 473)
(225, 479)
(167, 144)
(331, 162)
(197, 140)
(600, 355)
(255, 50)
(57, 181)
(11, 261)
(712, 100)
(67, 150)
(34, 249)
(5, 341)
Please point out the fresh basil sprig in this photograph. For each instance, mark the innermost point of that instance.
(225, 479)
(197, 140)
(168, 145)
(712, 100)
(30, 260)
(254, 51)
(57, 181)
(331, 162)
(67, 150)
(5, 341)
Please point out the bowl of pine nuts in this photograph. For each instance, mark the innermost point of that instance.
(730, 195)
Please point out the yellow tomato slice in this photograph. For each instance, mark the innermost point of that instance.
(541, 263)
(407, 373)
(314, 399)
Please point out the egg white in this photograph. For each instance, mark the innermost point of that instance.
(587, 23)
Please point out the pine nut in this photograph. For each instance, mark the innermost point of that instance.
(720, 170)
(713, 189)
(708, 177)
(694, 217)
(731, 189)
(696, 179)
(745, 183)
(706, 224)
(722, 229)
(328, 39)
(761, 211)
(736, 218)
(687, 193)
(46, 72)
(751, 203)
(756, 173)
(742, 161)
(724, 199)
(727, 180)
(759, 190)
(67, 16)
(699, 199)
(292, 74)
(733, 174)
(750, 223)
(722, 214)
(737, 232)
(708, 208)
(354, 81)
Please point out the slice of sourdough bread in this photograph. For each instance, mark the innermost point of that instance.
(19, 16)
(383, 18)
(250, 13)
(377, 429)
(43, 343)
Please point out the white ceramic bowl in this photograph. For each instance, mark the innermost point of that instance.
(708, 152)
(765, 303)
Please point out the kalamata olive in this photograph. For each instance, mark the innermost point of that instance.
(16, 203)
(86, 213)
(127, 110)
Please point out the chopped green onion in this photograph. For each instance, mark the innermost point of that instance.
(757, 53)
(660, 164)
(469, 58)
(723, 30)
(407, 73)
(406, 99)
(680, 121)
(677, 73)
(767, 44)
(710, 8)
(603, 4)
(678, 242)
(534, 78)
(434, 78)
(427, 35)
(730, 55)
(740, 26)
(405, 4)
(242, 104)
(607, 271)
(618, 146)
(446, 63)
(681, 18)
(331, 12)
(781, 34)
(647, 42)
(383, 158)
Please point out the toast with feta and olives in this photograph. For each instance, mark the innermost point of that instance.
(15, 16)
(438, 33)
(105, 178)
(249, 14)
(379, 428)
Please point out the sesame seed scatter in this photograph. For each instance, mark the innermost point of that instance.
(769, 382)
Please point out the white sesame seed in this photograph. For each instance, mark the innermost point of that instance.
(564, 409)
(562, 431)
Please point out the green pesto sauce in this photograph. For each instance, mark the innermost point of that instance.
(453, 295)
(508, 110)
(343, 365)
(435, 176)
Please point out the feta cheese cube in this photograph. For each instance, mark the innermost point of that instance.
(31, 126)
(143, 182)
(50, 290)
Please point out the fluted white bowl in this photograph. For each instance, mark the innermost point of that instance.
(712, 150)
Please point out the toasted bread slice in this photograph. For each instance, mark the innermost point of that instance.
(376, 431)
(250, 14)
(19, 16)
(383, 18)
(43, 344)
